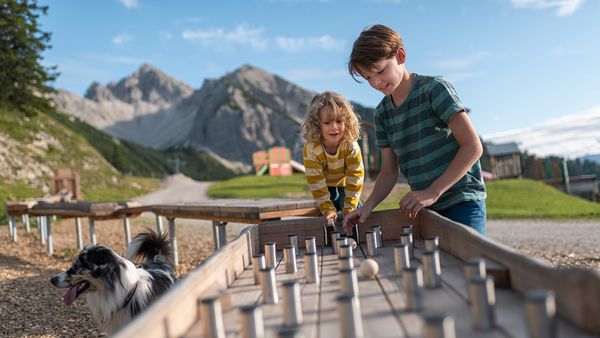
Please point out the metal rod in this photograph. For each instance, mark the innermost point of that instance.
(345, 263)
(345, 250)
(79, 233)
(474, 268)
(349, 316)
(252, 322)
(349, 282)
(432, 269)
(401, 258)
(212, 318)
(540, 313)
(371, 244)
(269, 286)
(219, 234)
(407, 239)
(311, 268)
(25, 219)
(289, 256)
(92, 230)
(483, 301)
(43, 229)
(377, 232)
(406, 229)
(294, 242)
(340, 241)
(258, 263)
(173, 237)
(292, 304)
(310, 244)
(412, 279)
(333, 240)
(127, 228)
(10, 226)
(270, 249)
(13, 225)
(431, 243)
(439, 326)
(159, 224)
(49, 236)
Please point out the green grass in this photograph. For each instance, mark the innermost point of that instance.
(506, 198)
(532, 199)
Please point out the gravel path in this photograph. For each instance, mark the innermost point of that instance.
(31, 307)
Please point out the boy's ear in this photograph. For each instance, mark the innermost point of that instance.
(401, 54)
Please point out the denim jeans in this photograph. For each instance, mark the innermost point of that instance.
(469, 213)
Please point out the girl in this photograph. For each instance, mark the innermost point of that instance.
(332, 157)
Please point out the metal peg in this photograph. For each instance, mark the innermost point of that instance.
(350, 316)
(311, 268)
(432, 269)
(345, 263)
(269, 286)
(270, 250)
(252, 322)
(439, 326)
(407, 239)
(292, 304)
(212, 318)
(401, 258)
(540, 313)
(371, 244)
(483, 301)
(412, 279)
(258, 263)
(294, 242)
(289, 256)
(310, 244)
(431, 243)
(349, 282)
(333, 240)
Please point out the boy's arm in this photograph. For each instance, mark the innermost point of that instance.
(385, 182)
(317, 183)
(470, 150)
(355, 174)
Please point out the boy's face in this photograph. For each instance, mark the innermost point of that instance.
(387, 74)
(332, 128)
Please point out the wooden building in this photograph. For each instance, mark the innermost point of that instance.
(505, 159)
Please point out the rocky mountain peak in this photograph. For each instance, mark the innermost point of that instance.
(98, 92)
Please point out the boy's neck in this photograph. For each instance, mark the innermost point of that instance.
(331, 149)
(401, 92)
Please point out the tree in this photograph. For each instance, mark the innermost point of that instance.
(24, 82)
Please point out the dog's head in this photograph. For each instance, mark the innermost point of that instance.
(94, 268)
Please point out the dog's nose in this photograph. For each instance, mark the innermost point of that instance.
(54, 280)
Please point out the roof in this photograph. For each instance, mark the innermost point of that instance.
(502, 149)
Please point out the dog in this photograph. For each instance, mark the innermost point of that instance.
(115, 289)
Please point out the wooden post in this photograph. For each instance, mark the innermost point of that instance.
(92, 231)
(78, 230)
(173, 240)
(219, 234)
(127, 226)
(12, 224)
(49, 232)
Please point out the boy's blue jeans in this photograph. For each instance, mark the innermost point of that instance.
(469, 213)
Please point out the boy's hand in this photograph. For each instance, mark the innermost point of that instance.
(414, 201)
(358, 216)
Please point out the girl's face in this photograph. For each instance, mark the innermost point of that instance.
(332, 129)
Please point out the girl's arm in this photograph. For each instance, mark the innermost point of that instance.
(316, 180)
(470, 150)
(355, 174)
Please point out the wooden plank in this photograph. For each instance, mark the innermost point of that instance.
(577, 290)
(176, 311)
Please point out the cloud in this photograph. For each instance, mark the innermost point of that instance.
(562, 7)
(122, 38)
(129, 3)
(241, 35)
(324, 42)
(462, 62)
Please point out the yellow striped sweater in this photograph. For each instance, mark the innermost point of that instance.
(344, 169)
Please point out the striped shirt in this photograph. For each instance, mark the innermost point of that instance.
(418, 133)
(343, 169)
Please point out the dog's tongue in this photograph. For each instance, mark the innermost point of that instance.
(71, 294)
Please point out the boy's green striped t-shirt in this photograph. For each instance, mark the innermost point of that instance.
(418, 133)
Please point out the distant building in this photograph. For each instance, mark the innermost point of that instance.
(504, 159)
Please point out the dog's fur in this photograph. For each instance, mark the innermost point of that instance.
(114, 288)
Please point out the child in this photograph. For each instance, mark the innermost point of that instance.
(423, 129)
(332, 157)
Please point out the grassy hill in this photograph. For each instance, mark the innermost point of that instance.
(506, 198)
(32, 148)
(133, 159)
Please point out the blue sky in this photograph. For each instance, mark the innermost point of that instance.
(515, 63)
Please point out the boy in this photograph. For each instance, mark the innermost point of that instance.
(422, 129)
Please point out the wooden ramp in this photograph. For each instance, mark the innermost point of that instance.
(227, 278)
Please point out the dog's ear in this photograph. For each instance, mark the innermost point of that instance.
(99, 270)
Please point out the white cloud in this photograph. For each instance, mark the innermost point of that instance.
(562, 7)
(122, 38)
(129, 3)
(324, 42)
(462, 62)
(241, 35)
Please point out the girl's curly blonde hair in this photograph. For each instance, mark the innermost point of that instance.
(337, 106)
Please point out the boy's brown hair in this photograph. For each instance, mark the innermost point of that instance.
(374, 44)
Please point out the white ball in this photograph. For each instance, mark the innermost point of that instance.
(352, 243)
(369, 268)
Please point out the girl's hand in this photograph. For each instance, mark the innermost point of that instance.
(414, 201)
(329, 216)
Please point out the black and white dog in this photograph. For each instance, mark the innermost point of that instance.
(115, 289)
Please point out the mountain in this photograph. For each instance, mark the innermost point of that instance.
(570, 136)
(229, 118)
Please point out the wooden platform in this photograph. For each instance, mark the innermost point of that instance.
(228, 274)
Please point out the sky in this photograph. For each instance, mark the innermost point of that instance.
(514, 63)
